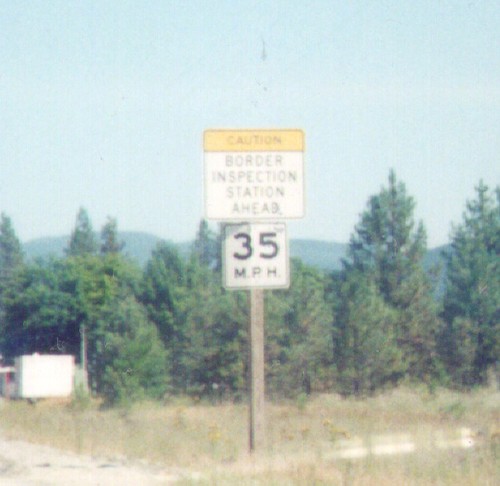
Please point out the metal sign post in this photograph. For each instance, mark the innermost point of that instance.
(254, 176)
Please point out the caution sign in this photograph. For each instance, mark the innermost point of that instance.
(253, 175)
(255, 256)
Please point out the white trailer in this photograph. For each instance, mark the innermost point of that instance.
(44, 376)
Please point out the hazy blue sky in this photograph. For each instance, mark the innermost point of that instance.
(103, 105)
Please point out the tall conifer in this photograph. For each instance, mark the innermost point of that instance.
(11, 253)
(471, 340)
(110, 242)
(82, 240)
(387, 249)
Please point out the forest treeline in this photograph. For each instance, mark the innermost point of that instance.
(170, 328)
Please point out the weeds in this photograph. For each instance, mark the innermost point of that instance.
(303, 440)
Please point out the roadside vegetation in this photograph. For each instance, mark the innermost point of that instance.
(170, 329)
(345, 351)
(208, 443)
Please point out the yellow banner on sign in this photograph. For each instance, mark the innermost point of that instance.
(253, 140)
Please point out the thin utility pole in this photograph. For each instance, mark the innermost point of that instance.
(83, 356)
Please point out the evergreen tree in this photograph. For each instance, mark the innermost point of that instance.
(298, 338)
(214, 358)
(164, 296)
(387, 245)
(11, 265)
(11, 253)
(109, 238)
(470, 343)
(42, 313)
(132, 361)
(387, 249)
(82, 240)
(205, 247)
(99, 285)
(365, 347)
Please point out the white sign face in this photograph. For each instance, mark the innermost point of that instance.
(253, 175)
(255, 256)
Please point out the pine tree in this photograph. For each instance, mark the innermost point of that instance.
(365, 348)
(214, 358)
(132, 359)
(11, 265)
(164, 296)
(82, 240)
(43, 313)
(11, 253)
(386, 243)
(109, 238)
(471, 340)
(386, 249)
(298, 334)
(205, 245)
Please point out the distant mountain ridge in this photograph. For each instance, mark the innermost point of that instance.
(324, 255)
(138, 246)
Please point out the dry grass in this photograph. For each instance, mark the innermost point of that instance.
(302, 438)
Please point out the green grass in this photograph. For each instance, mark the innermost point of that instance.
(302, 437)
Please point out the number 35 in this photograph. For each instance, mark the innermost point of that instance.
(269, 247)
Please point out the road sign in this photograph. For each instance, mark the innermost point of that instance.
(254, 175)
(255, 256)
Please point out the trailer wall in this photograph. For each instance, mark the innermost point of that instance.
(44, 376)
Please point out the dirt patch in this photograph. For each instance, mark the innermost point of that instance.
(25, 464)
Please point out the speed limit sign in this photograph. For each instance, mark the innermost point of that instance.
(255, 256)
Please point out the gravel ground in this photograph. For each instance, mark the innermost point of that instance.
(25, 464)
